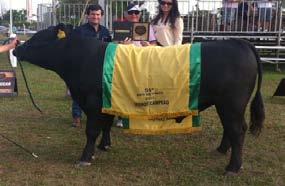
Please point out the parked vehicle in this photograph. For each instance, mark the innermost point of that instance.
(25, 31)
(3, 29)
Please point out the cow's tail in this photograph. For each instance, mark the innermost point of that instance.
(257, 114)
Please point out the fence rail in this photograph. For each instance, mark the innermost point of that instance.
(203, 19)
(200, 16)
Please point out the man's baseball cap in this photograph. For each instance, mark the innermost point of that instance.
(133, 7)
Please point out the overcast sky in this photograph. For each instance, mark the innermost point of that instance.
(20, 4)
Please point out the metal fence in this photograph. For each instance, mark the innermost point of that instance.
(246, 16)
(202, 18)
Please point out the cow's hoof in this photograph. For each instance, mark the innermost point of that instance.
(233, 172)
(230, 173)
(216, 153)
(83, 164)
(104, 147)
(222, 151)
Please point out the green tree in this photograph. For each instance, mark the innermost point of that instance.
(19, 18)
(18, 15)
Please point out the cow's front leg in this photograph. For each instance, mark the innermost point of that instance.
(93, 130)
(105, 143)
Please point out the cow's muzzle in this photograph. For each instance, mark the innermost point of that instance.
(17, 52)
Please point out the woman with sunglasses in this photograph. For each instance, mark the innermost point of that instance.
(167, 24)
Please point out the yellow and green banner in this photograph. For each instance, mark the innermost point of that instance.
(189, 124)
(151, 82)
(149, 86)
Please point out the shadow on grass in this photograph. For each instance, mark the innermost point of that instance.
(276, 100)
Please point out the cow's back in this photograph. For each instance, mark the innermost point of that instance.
(228, 68)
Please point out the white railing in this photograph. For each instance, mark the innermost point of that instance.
(202, 18)
(245, 16)
(206, 16)
(275, 59)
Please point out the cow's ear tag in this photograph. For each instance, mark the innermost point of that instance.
(60, 34)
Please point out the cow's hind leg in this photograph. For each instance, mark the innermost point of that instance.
(105, 143)
(234, 132)
(225, 143)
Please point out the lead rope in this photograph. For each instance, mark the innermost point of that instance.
(18, 145)
(5, 137)
(25, 80)
(28, 89)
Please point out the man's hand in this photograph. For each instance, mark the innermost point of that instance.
(15, 42)
(11, 45)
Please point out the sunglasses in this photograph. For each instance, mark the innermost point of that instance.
(165, 3)
(133, 12)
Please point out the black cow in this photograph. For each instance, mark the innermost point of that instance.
(229, 70)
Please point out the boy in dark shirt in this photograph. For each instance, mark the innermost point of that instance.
(92, 28)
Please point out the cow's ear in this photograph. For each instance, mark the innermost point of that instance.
(61, 34)
(60, 26)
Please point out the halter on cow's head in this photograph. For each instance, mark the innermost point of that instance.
(42, 39)
(32, 50)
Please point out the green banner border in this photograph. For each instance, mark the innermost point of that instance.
(195, 79)
(108, 69)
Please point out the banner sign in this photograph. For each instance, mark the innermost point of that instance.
(8, 83)
(122, 30)
(135, 31)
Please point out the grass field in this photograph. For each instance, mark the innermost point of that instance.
(133, 160)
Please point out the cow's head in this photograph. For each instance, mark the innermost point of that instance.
(36, 49)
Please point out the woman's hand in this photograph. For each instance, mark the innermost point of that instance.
(145, 43)
(127, 41)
